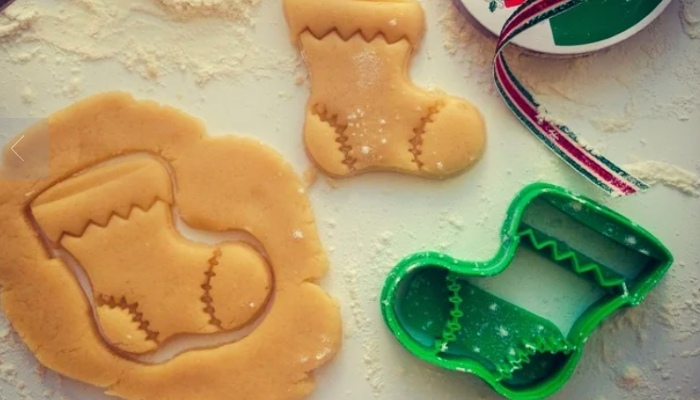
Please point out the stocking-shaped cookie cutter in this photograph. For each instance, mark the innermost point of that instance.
(432, 306)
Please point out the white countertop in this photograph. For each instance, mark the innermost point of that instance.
(639, 101)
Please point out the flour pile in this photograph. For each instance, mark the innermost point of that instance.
(690, 18)
(655, 172)
(231, 9)
(212, 38)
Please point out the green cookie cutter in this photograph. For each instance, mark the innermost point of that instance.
(438, 309)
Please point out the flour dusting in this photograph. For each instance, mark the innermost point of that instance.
(616, 123)
(631, 378)
(656, 172)
(20, 374)
(13, 23)
(208, 39)
(368, 67)
(362, 326)
(231, 9)
(690, 18)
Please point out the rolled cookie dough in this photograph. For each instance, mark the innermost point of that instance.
(223, 184)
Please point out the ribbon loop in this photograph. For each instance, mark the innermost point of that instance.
(560, 139)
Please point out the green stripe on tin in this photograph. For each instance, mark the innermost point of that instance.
(597, 20)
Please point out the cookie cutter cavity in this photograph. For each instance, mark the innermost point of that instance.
(131, 188)
(456, 315)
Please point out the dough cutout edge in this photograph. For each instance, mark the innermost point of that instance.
(364, 113)
(223, 184)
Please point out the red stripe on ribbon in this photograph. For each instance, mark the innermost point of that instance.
(526, 14)
(554, 134)
(598, 170)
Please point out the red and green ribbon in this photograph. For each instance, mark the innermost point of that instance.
(562, 141)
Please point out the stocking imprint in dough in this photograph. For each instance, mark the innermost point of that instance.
(116, 221)
(364, 113)
(113, 215)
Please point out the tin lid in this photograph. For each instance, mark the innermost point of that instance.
(588, 27)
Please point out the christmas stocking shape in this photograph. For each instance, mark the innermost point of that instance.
(364, 113)
(148, 282)
(526, 345)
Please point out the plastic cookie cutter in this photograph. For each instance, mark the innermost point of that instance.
(500, 319)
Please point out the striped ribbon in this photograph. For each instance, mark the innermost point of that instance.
(562, 141)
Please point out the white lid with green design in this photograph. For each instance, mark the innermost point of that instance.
(588, 27)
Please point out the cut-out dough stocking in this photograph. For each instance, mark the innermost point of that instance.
(148, 282)
(364, 113)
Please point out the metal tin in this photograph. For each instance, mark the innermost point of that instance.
(589, 27)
